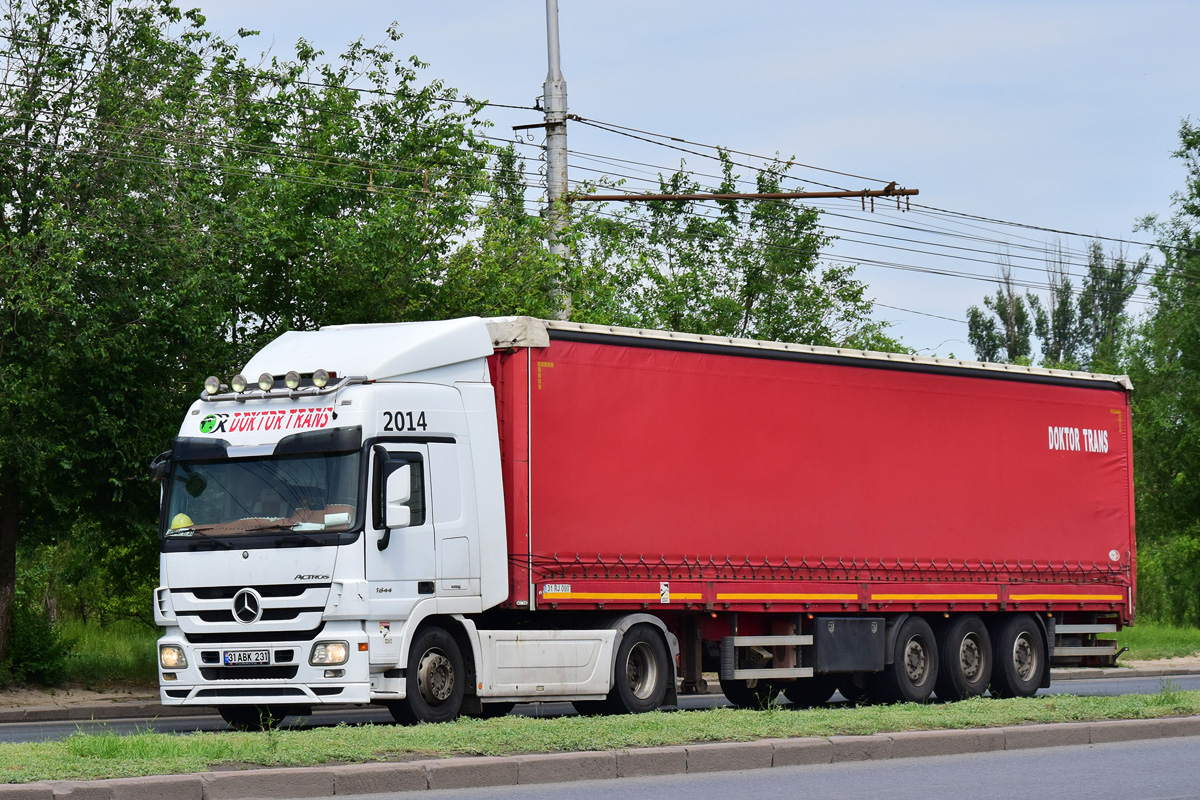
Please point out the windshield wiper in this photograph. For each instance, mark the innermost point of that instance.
(198, 532)
(291, 529)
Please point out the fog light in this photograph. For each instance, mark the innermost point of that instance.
(266, 381)
(331, 653)
(170, 676)
(238, 383)
(320, 378)
(171, 656)
(292, 379)
(334, 673)
(212, 384)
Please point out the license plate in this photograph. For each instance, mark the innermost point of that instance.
(242, 658)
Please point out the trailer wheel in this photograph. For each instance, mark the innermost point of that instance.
(643, 670)
(911, 676)
(809, 692)
(860, 688)
(252, 718)
(1020, 657)
(433, 681)
(966, 659)
(755, 693)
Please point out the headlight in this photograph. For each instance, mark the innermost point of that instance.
(171, 656)
(266, 381)
(212, 384)
(320, 378)
(292, 379)
(329, 653)
(238, 383)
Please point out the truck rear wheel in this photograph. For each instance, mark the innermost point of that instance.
(755, 693)
(911, 676)
(642, 671)
(966, 659)
(809, 692)
(1020, 657)
(434, 680)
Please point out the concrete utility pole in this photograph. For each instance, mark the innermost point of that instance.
(555, 104)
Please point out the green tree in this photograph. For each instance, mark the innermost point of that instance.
(167, 209)
(746, 269)
(1002, 332)
(1165, 369)
(1103, 320)
(1056, 322)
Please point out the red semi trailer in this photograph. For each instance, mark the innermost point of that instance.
(807, 518)
(451, 517)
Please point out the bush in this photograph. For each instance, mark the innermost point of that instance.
(39, 650)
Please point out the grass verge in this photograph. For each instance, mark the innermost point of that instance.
(1159, 641)
(118, 654)
(109, 755)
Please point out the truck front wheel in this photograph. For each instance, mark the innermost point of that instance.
(1020, 657)
(642, 672)
(434, 680)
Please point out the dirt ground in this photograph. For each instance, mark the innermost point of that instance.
(27, 697)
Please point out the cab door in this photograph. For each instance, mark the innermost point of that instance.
(401, 561)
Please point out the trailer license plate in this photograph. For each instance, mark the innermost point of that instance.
(240, 658)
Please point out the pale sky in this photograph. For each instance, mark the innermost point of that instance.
(1060, 115)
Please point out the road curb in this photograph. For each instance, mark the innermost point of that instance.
(485, 771)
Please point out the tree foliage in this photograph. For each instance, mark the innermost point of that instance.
(168, 207)
(744, 268)
(1086, 329)
(1165, 369)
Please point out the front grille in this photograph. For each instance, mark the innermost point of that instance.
(268, 614)
(271, 673)
(227, 592)
(253, 636)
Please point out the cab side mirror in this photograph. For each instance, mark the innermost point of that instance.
(397, 493)
(160, 467)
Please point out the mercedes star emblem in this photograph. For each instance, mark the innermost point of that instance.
(247, 606)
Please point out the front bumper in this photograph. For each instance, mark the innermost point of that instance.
(287, 680)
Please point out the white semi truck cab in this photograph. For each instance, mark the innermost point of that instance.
(332, 534)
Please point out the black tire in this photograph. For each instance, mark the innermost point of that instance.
(434, 681)
(590, 708)
(252, 718)
(494, 710)
(911, 676)
(860, 688)
(809, 692)
(754, 694)
(643, 671)
(1020, 657)
(965, 663)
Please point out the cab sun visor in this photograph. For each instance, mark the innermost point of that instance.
(334, 440)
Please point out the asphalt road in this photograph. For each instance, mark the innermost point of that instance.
(51, 731)
(1158, 768)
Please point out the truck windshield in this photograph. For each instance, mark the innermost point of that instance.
(302, 493)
